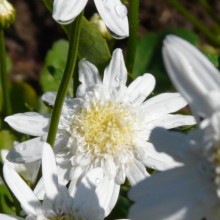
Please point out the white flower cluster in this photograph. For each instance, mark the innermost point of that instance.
(111, 132)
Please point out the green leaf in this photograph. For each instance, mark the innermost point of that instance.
(93, 46)
(214, 58)
(55, 72)
(23, 97)
(49, 4)
(54, 65)
(6, 139)
(7, 205)
(149, 57)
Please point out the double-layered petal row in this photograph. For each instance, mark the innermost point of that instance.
(193, 190)
(113, 13)
(107, 125)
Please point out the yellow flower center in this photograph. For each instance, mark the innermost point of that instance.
(105, 127)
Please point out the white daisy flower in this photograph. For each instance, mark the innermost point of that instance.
(193, 190)
(107, 125)
(87, 203)
(113, 13)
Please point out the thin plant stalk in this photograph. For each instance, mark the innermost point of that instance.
(67, 76)
(133, 28)
(6, 105)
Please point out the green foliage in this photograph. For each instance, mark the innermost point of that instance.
(92, 45)
(149, 58)
(7, 205)
(6, 139)
(214, 58)
(54, 65)
(23, 97)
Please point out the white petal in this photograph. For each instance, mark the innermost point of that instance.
(9, 217)
(49, 172)
(136, 172)
(180, 191)
(49, 98)
(27, 151)
(175, 144)
(115, 73)
(63, 170)
(65, 11)
(172, 121)
(88, 76)
(29, 171)
(110, 166)
(23, 193)
(30, 123)
(85, 196)
(88, 73)
(97, 192)
(114, 14)
(158, 160)
(191, 72)
(107, 193)
(140, 88)
(162, 104)
(39, 189)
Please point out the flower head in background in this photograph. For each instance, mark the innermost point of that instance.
(107, 125)
(88, 203)
(113, 13)
(193, 190)
(189, 192)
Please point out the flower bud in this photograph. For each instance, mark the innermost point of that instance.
(96, 19)
(7, 14)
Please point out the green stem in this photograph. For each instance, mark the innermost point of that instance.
(212, 38)
(4, 77)
(67, 76)
(133, 27)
